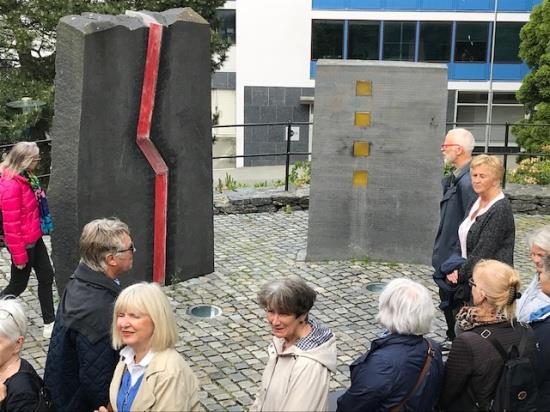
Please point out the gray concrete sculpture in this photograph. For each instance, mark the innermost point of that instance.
(97, 168)
(376, 166)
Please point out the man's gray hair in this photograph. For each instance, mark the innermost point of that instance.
(540, 238)
(464, 138)
(406, 307)
(100, 238)
(13, 321)
(290, 295)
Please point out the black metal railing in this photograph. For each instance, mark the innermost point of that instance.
(506, 150)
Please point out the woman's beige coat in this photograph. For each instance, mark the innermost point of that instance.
(296, 380)
(169, 384)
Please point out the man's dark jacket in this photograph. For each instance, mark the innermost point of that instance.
(382, 378)
(458, 198)
(81, 360)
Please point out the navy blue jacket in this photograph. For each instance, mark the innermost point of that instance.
(458, 198)
(382, 378)
(542, 332)
(81, 360)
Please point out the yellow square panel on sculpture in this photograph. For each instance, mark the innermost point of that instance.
(360, 178)
(362, 119)
(361, 149)
(363, 88)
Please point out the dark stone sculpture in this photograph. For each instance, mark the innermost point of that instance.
(97, 168)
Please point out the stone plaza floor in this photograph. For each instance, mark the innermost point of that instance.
(228, 353)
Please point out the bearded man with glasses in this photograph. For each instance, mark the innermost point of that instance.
(458, 197)
(81, 360)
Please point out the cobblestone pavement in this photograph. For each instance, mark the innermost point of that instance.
(228, 353)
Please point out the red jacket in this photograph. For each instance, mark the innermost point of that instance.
(21, 218)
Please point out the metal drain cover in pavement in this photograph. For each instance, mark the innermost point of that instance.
(204, 311)
(376, 287)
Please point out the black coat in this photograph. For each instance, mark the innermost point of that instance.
(542, 332)
(382, 378)
(23, 389)
(458, 198)
(492, 236)
(81, 360)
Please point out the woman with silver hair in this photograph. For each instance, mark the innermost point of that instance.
(534, 308)
(302, 354)
(534, 298)
(402, 370)
(20, 385)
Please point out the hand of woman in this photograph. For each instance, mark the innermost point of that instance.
(453, 277)
(104, 409)
(20, 267)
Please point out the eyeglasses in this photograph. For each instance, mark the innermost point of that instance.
(445, 145)
(472, 283)
(6, 314)
(130, 249)
(36, 158)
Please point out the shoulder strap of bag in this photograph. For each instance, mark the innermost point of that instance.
(425, 368)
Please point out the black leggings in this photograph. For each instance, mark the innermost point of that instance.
(40, 262)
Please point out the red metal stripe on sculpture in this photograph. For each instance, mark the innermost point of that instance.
(151, 153)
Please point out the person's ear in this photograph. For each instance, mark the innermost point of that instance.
(110, 259)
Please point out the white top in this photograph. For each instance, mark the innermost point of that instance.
(465, 226)
(136, 369)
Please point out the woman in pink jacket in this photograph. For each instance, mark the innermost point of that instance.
(26, 217)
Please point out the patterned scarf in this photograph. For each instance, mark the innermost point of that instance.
(468, 318)
(45, 218)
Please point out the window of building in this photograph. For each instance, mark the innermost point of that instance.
(471, 42)
(226, 24)
(364, 40)
(326, 39)
(472, 107)
(507, 42)
(399, 40)
(435, 41)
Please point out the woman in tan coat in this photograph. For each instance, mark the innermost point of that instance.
(151, 375)
(302, 355)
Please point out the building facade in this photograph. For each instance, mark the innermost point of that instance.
(278, 42)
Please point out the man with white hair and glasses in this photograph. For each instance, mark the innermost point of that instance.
(81, 360)
(458, 197)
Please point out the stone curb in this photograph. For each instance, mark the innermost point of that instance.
(528, 199)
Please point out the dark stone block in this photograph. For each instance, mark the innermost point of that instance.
(268, 114)
(284, 113)
(308, 91)
(97, 168)
(251, 115)
(219, 80)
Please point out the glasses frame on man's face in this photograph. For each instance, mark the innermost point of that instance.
(131, 248)
(471, 283)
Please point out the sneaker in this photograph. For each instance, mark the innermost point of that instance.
(48, 329)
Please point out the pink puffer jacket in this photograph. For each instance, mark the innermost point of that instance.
(21, 218)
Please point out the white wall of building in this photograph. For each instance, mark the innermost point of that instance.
(274, 43)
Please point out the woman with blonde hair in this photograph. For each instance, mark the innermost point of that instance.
(26, 218)
(488, 231)
(151, 375)
(475, 363)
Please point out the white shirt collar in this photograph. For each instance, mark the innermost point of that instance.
(136, 369)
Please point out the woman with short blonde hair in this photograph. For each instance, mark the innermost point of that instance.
(488, 231)
(151, 375)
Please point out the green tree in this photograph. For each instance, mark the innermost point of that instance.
(27, 50)
(534, 92)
